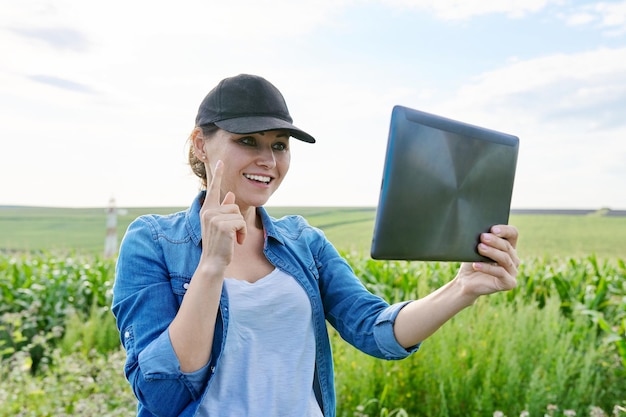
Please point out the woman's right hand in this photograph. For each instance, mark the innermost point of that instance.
(222, 223)
(193, 328)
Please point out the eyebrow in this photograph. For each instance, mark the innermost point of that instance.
(283, 133)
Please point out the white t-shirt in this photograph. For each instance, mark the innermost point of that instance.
(268, 361)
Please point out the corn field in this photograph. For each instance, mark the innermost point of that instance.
(556, 345)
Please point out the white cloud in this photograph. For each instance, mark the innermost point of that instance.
(556, 83)
(253, 20)
(608, 15)
(579, 18)
(466, 9)
(613, 14)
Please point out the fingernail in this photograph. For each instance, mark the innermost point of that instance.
(496, 230)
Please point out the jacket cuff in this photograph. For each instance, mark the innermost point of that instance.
(159, 361)
(384, 336)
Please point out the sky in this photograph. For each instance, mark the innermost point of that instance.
(97, 99)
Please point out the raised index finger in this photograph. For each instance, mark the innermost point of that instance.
(212, 198)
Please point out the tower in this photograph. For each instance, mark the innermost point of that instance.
(110, 242)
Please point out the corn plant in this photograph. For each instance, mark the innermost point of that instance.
(39, 292)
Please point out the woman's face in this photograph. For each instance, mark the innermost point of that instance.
(254, 164)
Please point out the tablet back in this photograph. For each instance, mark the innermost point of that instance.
(444, 182)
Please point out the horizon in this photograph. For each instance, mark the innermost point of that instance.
(513, 209)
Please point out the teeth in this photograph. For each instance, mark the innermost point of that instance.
(260, 178)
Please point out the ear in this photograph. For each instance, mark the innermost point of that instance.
(197, 142)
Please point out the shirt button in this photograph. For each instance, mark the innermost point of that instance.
(186, 285)
(127, 335)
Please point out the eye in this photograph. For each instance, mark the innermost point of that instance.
(280, 146)
(247, 141)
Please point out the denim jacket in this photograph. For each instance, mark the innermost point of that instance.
(158, 257)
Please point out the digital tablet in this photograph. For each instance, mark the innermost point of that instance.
(444, 183)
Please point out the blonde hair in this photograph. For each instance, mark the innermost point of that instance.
(196, 164)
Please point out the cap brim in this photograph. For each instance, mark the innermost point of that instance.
(243, 125)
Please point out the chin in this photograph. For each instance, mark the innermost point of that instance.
(256, 202)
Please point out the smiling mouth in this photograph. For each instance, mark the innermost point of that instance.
(259, 178)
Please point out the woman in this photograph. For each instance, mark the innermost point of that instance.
(222, 309)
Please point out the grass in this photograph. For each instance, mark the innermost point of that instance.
(573, 236)
(511, 358)
(74, 385)
(349, 228)
(42, 228)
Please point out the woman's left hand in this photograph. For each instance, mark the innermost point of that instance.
(419, 319)
(480, 278)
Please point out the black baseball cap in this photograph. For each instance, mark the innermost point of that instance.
(247, 104)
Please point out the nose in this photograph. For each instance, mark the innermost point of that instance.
(266, 157)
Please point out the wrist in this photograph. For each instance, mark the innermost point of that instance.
(465, 295)
(209, 270)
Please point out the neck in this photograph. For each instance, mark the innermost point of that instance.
(251, 217)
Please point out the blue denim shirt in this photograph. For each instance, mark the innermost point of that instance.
(158, 256)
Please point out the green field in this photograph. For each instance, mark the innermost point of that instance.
(554, 346)
(349, 228)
